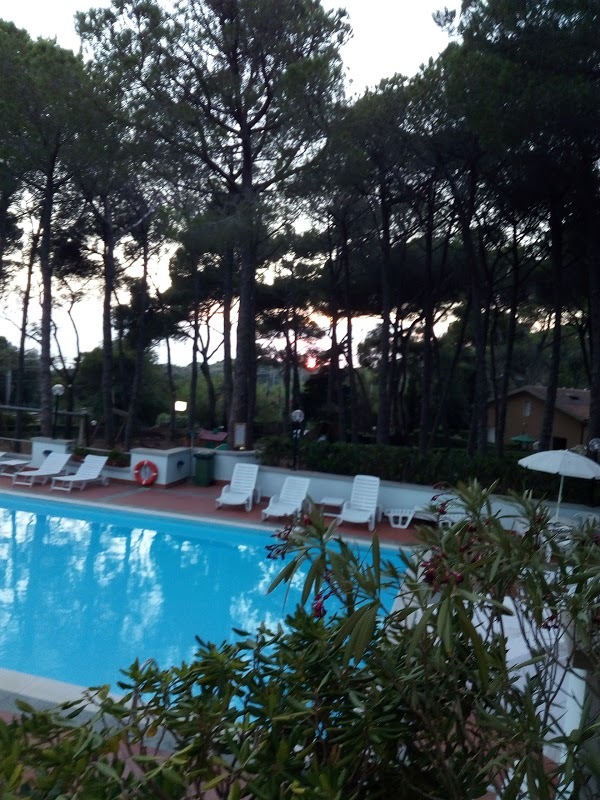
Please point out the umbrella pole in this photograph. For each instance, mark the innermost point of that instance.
(560, 491)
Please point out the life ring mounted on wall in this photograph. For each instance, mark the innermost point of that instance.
(146, 472)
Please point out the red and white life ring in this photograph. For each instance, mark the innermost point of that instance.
(146, 472)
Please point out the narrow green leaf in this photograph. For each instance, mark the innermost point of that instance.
(235, 792)
(444, 626)
(285, 574)
(478, 648)
(107, 771)
(312, 579)
(362, 635)
(419, 631)
(213, 782)
(349, 625)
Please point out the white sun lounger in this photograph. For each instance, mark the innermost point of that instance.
(290, 499)
(241, 491)
(362, 506)
(8, 466)
(404, 517)
(89, 470)
(52, 465)
(400, 517)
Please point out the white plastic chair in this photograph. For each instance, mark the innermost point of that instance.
(52, 465)
(8, 466)
(290, 499)
(401, 517)
(241, 490)
(450, 518)
(362, 506)
(89, 470)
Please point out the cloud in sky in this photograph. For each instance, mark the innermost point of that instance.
(391, 36)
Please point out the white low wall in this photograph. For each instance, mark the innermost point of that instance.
(42, 446)
(173, 465)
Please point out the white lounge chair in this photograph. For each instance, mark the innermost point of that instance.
(242, 489)
(290, 499)
(401, 517)
(451, 518)
(8, 466)
(362, 506)
(89, 470)
(53, 464)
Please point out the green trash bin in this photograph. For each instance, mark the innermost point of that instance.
(205, 468)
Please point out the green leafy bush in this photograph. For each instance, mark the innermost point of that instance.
(410, 465)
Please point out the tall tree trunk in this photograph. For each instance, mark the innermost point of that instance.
(335, 430)
(228, 262)
(502, 403)
(20, 383)
(427, 370)
(333, 384)
(46, 321)
(245, 357)
(556, 258)
(451, 373)
(243, 398)
(478, 438)
(287, 380)
(140, 349)
(383, 383)
(172, 390)
(351, 413)
(195, 349)
(591, 210)
(211, 420)
(107, 350)
(295, 367)
(465, 196)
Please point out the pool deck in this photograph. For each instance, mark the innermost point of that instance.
(191, 501)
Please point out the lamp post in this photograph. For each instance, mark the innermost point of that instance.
(180, 407)
(297, 418)
(57, 390)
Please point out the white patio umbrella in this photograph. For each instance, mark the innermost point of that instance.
(564, 463)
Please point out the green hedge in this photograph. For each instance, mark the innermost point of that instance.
(440, 465)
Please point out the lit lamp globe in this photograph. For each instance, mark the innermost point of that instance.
(57, 390)
(297, 416)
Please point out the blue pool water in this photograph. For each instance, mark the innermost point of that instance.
(85, 591)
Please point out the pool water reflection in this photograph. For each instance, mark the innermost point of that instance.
(85, 591)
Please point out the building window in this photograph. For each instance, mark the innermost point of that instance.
(526, 408)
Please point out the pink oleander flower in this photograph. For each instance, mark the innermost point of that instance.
(318, 606)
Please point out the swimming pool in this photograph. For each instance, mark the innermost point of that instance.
(85, 590)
